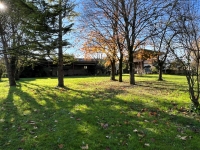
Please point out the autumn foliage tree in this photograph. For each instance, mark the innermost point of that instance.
(98, 44)
(111, 10)
(99, 18)
(143, 54)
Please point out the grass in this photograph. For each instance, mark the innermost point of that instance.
(98, 114)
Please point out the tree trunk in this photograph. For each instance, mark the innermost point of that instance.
(113, 69)
(7, 63)
(13, 67)
(1, 73)
(120, 67)
(160, 72)
(194, 100)
(60, 68)
(10, 73)
(60, 53)
(132, 69)
(194, 93)
(17, 74)
(9, 66)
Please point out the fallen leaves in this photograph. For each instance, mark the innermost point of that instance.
(104, 126)
(145, 111)
(184, 138)
(108, 136)
(31, 122)
(126, 122)
(139, 114)
(60, 146)
(85, 147)
(2, 120)
(147, 144)
(154, 121)
(152, 113)
(140, 134)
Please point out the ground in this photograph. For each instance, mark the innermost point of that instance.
(96, 113)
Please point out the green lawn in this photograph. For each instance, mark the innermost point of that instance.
(98, 114)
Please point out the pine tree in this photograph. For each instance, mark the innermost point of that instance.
(49, 27)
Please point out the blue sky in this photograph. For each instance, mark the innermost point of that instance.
(72, 37)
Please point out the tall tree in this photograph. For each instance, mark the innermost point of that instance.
(164, 35)
(2, 67)
(51, 28)
(10, 30)
(103, 17)
(137, 16)
(98, 43)
(186, 46)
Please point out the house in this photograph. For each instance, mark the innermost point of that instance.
(144, 60)
(143, 66)
(80, 67)
(46, 68)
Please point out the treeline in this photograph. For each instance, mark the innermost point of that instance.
(119, 28)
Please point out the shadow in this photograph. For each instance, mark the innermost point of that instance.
(163, 85)
(3, 80)
(89, 76)
(110, 117)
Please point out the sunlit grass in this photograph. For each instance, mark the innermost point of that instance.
(96, 113)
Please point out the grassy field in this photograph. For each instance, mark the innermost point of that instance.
(98, 114)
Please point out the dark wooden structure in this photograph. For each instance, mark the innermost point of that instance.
(46, 68)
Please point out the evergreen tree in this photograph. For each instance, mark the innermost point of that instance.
(49, 27)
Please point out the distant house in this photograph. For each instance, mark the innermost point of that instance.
(81, 67)
(143, 66)
(144, 60)
(46, 68)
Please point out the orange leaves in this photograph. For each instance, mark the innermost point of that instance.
(85, 147)
(152, 113)
(104, 126)
(139, 114)
(98, 43)
(60, 146)
(144, 54)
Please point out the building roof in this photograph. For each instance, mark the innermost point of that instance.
(145, 54)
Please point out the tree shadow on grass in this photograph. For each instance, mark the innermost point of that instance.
(118, 118)
(164, 85)
(72, 119)
(3, 80)
(22, 118)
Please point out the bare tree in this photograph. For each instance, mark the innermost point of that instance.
(186, 47)
(137, 17)
(164, 35)
(127, 21)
